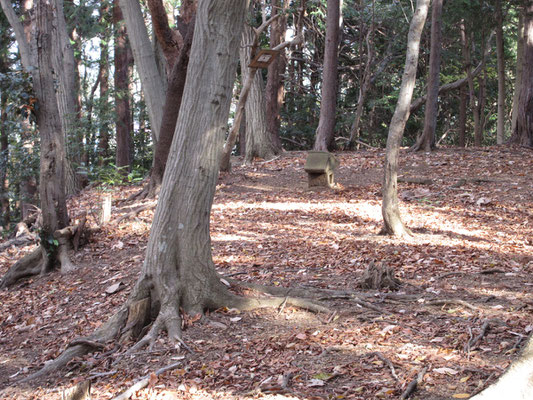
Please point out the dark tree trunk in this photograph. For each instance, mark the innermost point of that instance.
(275, 92)
(463, 104)
(393, 224)
(523, 133)
(325, 134)
(500, 132)
(103, 79)
(519, 70)
(4, 158)
(123, 120)
(426, 141)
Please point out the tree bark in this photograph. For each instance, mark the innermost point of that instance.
(258, 139)
(4, 159)
(393, 224)
(143, 53)
(463, 104)
(523, 134)
(517, 382)
(500, 51)
(326, 124)
(103, 78)
(123, 122)
(426, 141)
(519, 70)
(275, 92)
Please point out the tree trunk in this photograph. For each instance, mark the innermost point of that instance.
(517, 382)
(4, 159)
(52, 173)
(326, 125)
(258, 139)
(393, 224)
(523, 134)
(143, 53)
(500, 51)
(426, 141)
(171, 110)
(463, 95)
(275, 92)
(123, 122)
(519, 70)
(103, 78)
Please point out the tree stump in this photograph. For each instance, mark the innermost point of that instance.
(379, 277)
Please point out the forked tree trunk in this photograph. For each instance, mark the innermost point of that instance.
(523, 134)
(517, 382)
(426, 141)
(326, 125)
(258, 139)
(393, 224)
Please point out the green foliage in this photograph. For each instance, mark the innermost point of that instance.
(109, 175)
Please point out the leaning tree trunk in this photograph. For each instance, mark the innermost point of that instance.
(393, 224)
(143, 53)
(523, 134)
(258, 139)
(426, 141)
(517, 382)
(326, 124)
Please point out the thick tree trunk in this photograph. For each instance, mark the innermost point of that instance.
(123, 122)
(393, 224)
(519, 70)
(258, 138)
(143, 53)
(517, 382)
(523, 133)
(275, 92)
(52, 173)
(426, 141)
(500, 51)
(326, 125)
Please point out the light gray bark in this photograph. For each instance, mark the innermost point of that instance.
(516, 383)
(145, 61)
(393, 224)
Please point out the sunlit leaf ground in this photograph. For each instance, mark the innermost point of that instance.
(474, 219)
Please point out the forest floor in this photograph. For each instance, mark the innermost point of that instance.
(469, 266)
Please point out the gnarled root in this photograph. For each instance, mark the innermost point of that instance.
(27, 266)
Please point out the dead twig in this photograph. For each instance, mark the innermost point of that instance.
(386, 361)
(451, 301)
(143, 382)
(475, 340)
(409, 390)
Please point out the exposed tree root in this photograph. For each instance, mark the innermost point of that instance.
(149, 191)
(22, 240)
(379, 277)
(27, 266)
(136, 211)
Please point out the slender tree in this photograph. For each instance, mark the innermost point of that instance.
(393, 224)
(426, 141)
(326, 125)
(500, 51)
